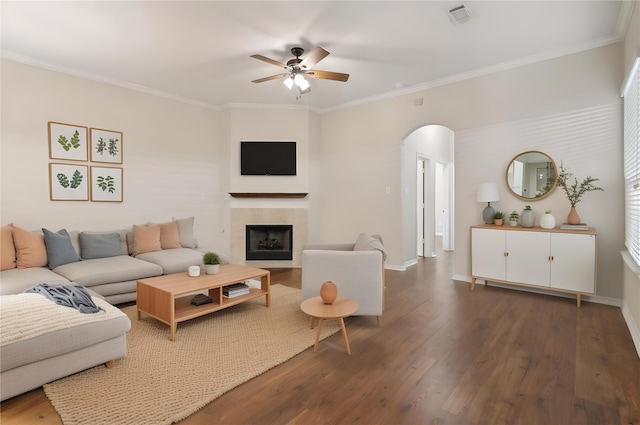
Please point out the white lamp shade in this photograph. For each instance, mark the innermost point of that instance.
(488, 192)
(288, 82)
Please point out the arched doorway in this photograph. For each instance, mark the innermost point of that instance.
(428, 191)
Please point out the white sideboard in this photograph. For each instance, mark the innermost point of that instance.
(555, 259)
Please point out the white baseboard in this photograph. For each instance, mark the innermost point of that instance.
(633, 327)
(395, 267)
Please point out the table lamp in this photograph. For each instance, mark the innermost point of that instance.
(488, 192)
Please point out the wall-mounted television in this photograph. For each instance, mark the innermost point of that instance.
(268, 158)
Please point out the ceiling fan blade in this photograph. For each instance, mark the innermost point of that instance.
(314, 57)
(273, 77)
(327, 75)
(267, 60)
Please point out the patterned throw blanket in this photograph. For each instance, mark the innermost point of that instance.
(75, 296)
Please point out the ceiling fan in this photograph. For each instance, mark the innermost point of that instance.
(297, 69)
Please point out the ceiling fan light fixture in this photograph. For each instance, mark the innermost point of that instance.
(288, 82)
(300, 81)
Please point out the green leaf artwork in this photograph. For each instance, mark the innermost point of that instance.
(63, 180)
(76, 180)
(68, 144)
(113, 147)
(106, 183)
(101, 146)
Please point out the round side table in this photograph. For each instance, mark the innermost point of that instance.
(341, 308)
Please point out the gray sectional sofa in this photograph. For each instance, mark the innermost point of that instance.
(34, 348)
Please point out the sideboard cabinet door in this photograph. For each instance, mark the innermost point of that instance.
(573, 267)
(528, 257)
(488, 253)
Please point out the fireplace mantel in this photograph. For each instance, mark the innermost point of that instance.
(267, 195)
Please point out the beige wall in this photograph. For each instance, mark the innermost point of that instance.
(171, 151)
(181, 160)
(361, 156)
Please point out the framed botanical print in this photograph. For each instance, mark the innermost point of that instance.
(106, 146)
(67, 141)
(68, 182)
(106, 184)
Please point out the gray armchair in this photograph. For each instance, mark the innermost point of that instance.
(357, 269)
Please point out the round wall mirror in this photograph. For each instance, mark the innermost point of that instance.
(532, 175)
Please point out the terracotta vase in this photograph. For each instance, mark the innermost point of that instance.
(573, 217)
(328, 292)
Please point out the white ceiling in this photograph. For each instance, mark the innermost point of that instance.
(199, 51)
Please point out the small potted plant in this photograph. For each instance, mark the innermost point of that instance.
(513, 218)
(498, 217)
(211, 262)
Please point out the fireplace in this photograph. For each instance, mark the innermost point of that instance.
(269, 242)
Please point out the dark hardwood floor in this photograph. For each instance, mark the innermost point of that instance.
(444, 355)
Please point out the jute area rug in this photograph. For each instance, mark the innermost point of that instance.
(162, 382)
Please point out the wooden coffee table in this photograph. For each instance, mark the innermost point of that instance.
(165, 297)
(341, 308)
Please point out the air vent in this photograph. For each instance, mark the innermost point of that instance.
(459, 14)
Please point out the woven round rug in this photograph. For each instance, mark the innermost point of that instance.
(163, 382)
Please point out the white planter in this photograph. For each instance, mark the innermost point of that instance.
(514, 223)
(211, 268)
(547, 221)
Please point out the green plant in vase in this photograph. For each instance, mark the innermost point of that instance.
(575, 191)
(498, 217)
(211, 262)
(513, 218)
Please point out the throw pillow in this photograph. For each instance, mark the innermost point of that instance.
(30, 248)
(99, 245)
(146, 239)
(59, 248)
(169, 235)
(7, 248)
(185, 229)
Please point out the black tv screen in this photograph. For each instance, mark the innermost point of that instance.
(268, 158)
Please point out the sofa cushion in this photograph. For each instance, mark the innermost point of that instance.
(185, 229)
(7, 248)
(99, 271)
(30, 248)
(15, 281)
(146, 239)
(169, 235)
(59, 248)
(100, 245)
(366, 242)
(175, 260)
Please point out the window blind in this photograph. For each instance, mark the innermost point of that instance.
(631, 94)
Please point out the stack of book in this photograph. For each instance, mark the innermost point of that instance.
(567, 226)
(235, 290)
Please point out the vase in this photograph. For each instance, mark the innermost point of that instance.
(513, 223)
(528, 218)
(573, 217)
(211, 268)
(328, 292)
(497, 221)
(547, 221)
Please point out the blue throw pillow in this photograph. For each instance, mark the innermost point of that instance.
(59, 248)
(99, 245)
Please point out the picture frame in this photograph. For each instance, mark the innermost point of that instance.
(67, 141)
(106, 184)
(106, 146)
(68, 182)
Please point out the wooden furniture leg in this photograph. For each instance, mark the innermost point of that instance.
(315, 347)
(344, 335)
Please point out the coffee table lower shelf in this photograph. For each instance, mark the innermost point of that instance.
(168, 298)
